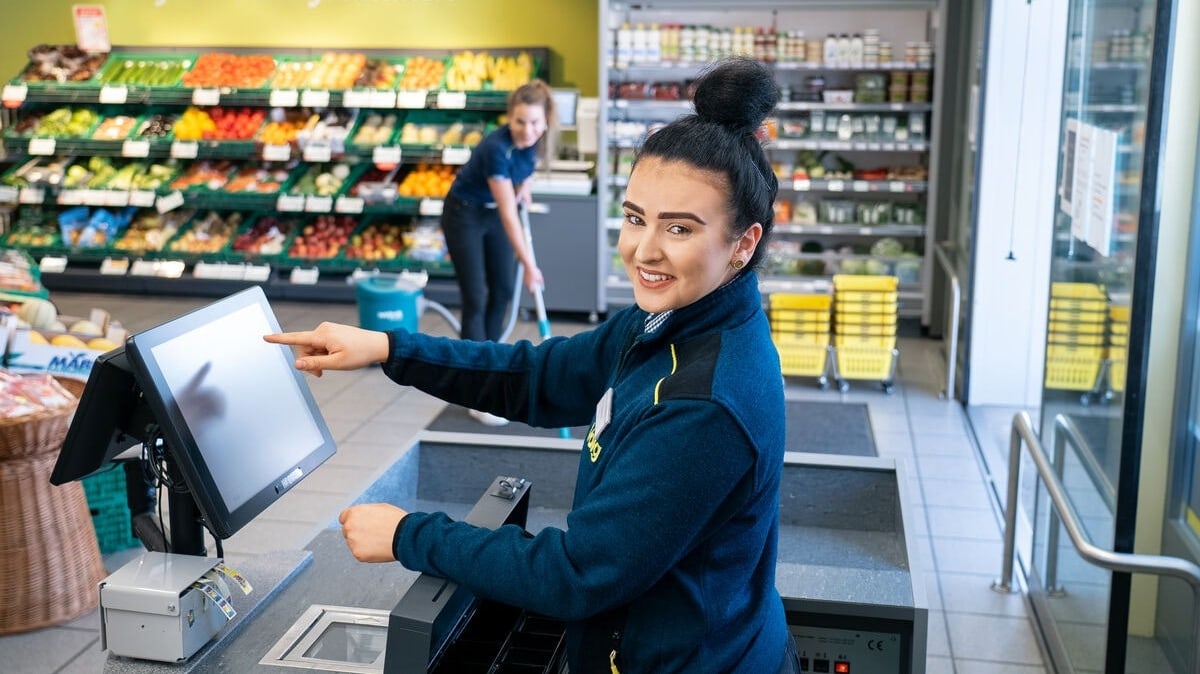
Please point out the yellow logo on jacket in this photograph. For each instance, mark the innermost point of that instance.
(593, 444)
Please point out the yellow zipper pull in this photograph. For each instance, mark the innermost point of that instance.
(612, 661)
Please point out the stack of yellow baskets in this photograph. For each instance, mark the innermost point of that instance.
(800, 329)
(1075, 336)
(1118, 346)
(865, 311)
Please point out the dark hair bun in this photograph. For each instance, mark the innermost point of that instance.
(736, 92)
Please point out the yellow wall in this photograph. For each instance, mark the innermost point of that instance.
(568, 27)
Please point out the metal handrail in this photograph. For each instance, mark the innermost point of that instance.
(1160, 565)
(955, 295)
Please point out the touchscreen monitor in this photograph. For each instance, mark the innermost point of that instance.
(109, 420)
(237, 417)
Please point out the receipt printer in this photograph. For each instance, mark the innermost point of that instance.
(162, 607)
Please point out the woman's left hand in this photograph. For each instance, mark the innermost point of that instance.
(369, 530)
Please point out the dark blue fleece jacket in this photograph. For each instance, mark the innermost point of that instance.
(676, 510)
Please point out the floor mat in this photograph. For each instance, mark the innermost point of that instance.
(819, 427)
(455, 419)
(829, 428)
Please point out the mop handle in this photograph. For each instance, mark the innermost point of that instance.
(539, 302)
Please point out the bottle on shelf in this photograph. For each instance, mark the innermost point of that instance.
(624, 45)
(703, 43)
(856, 51)
(687, 43)
(843, 51)
(639, 43)
(654, 44)
(725, 44)
(830, 57)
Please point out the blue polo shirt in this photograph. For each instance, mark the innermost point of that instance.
(495, 157)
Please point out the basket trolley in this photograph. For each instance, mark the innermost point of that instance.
(1075, 351)
(800, 330)
(865, 310)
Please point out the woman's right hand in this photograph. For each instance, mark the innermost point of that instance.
(334, 346)
(533, 279)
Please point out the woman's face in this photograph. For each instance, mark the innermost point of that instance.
(527, 122)
(675, 237)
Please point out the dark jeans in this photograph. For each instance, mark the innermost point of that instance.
(484, 264)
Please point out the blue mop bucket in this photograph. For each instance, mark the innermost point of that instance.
(388, 301)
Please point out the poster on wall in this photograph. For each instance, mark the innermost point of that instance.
(1088, 181)
(91, 28)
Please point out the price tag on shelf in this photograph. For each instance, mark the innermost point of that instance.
(114, 266)
(169, 202)
(413, 99)
(41, 146)
(257, 273)
(836, 186)
(903, 147)
(317, 151)
(284, 98)
(431, 207)
(386, 157)
(205, 270)
(802, 185)
(897, 186)
(159, 268)
(316, 204)
(383, 99)
(452, 100)
(865, 231)
(356, 98)
(276, 152)
(897, 107)
(889, 147)
(456, 156)
(182, 149)
(288, 203)
(874, 147)
(93, 197)
(14, 95)
(348, 205)
(205, 97)
(116, 198)
(52, 264)
(142, 198)
(301, 276)
(113, 95)
(31, 195)
(135, 148)
(70, 197)
(169, 268)
(9, 194)
(861, 186)
(314, 98)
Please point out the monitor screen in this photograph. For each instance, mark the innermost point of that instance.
(237, 417)
(565, 103)
(109, 419)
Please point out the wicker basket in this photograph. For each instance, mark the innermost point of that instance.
(49, 557)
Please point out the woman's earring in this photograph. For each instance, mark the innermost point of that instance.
(737, 263)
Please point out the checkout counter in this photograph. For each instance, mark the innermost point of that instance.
(846, 572)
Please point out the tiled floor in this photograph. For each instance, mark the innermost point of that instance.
(972, 630)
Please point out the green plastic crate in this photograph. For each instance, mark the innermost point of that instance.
(110, 511)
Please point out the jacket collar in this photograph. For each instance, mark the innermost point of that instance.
(731, 304)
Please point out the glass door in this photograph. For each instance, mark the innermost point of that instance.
(1101, 283)
(1181, 528)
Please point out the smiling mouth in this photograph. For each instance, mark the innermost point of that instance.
(651, 277)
